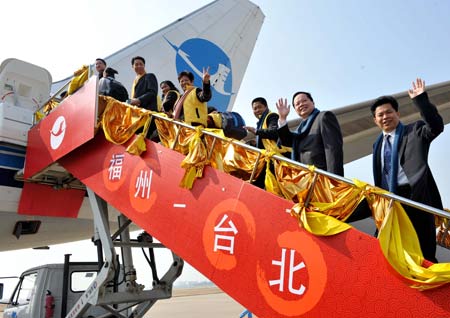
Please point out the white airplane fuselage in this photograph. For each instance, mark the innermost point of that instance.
(220, 35)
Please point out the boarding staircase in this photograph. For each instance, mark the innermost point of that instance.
(242, 238)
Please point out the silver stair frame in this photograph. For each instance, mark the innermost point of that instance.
(133, 301)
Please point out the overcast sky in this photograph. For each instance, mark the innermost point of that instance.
(343, 52)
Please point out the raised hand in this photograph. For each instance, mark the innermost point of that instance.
(206, 75)
(283, 109)
(417, 88)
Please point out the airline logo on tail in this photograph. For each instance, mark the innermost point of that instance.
(57, 133)
(195, 54)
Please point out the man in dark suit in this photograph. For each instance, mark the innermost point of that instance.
(266, 132)
(267, 125)
(318, 140)
(144, 91)
(400, 159)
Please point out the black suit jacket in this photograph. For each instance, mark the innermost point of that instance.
(413, 153)
(321, 146)
(267, 133)
(146, 91)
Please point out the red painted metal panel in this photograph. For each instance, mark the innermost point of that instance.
(244, 239)
(70, 125)
(43, 200)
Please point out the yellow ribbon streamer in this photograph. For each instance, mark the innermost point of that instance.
(330, 201)
(120, 121)
(195, 161)
(317, 223)
(138, 146)
(80, 77)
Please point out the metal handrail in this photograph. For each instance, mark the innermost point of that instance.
(389, 195)
(59, 91)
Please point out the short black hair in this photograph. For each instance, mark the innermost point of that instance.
(137, 58)
(110, 72)
(384, 100)
(261, 100)
(101, 60)
(306, 93)
(186, 73)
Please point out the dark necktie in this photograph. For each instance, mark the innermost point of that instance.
(386, 177)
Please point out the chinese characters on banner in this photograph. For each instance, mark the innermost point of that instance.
(229, 232)
(115, 167)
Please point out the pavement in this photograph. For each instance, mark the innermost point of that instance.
(197, 303)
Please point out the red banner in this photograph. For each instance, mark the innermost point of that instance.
(67, 127)
(245, 240)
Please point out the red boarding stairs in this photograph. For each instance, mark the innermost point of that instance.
(239, 236)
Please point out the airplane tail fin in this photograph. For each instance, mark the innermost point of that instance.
(220, 35)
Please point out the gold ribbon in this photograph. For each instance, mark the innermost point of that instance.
(120, 120)
(330, 201)
(80, 76)
(195, 161)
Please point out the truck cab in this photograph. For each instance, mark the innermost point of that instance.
(42, 293)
